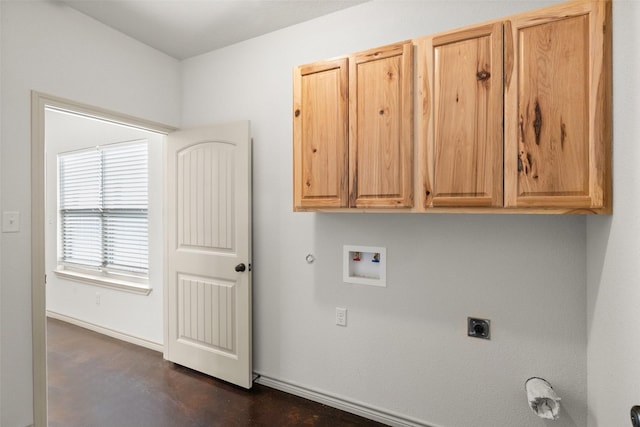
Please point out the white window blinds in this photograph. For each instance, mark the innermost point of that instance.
(103, 202)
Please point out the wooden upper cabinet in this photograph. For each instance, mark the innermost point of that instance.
(558, 107)
(512, 115)
(353, 131)
(460, 76)
(320, 135)
(381, 127)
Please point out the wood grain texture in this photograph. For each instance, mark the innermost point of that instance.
(555, 156)
(320, 127)
(553, 105)
(95, 380)
(424, 138)
(381, 127)
(557, 147)
(473, 210)
(602, 88)
(465, 140)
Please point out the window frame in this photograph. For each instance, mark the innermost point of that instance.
(103, 275)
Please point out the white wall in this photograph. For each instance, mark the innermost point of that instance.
(51, 48)
(405, 349)
(614, 245)
(133, 315)
(1, 131)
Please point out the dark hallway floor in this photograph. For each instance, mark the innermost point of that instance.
(98, 381)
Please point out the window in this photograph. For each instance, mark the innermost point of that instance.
(103, 206)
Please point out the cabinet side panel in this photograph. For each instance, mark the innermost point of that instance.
(601, 92)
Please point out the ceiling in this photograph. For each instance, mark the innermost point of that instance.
(186, 28)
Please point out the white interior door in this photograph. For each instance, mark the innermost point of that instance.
(208, 298)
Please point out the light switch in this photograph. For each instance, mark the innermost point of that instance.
(10, 222)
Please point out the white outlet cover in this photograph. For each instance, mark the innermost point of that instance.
(341, 316)
(10, 222)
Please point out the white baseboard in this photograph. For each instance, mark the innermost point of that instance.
(106, 331)
(356, 408)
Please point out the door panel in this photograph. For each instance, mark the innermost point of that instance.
(553, 102)
(381, 127)
(199, 298)
(557, 108)
(208, 220)
(205, 193)
(320, 135)
(467, 141)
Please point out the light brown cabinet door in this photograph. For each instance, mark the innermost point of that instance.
(320, 135)
(463, 154)
(381, 127)
(557, 96)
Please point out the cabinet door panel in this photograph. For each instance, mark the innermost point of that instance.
(381, 127)
(553, 158)
(555, 116)
(320, 135)
(466, 144)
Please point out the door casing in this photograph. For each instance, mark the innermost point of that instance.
(40, 101)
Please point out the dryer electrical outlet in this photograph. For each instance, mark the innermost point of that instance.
(479, 328)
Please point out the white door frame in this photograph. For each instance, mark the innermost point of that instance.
(39, 101)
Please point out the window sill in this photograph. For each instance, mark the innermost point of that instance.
(105, 282)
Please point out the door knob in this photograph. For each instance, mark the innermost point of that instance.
(241, 267)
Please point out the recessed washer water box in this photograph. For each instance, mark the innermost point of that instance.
(365, 265)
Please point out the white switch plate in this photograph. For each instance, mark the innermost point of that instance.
(10, 222)
(341, 316)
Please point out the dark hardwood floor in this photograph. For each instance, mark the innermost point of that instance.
(98, 381)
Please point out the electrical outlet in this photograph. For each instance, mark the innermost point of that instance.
(479, 328)
(341, 316)
(10, 222)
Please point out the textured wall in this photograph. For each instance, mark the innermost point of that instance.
(614, 245)
(405, 349)
(51, 48)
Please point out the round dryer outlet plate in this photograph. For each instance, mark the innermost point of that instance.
(479, 328)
